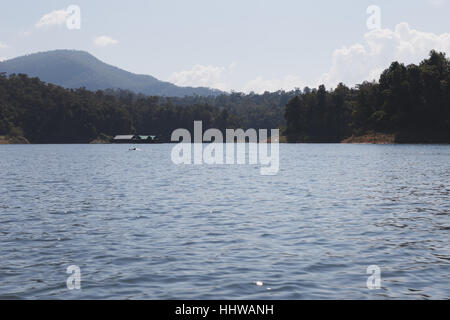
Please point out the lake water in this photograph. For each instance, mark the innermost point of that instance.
(139, 226)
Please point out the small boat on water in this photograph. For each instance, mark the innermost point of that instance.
(134, 149)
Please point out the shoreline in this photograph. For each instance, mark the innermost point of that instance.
(369, 138)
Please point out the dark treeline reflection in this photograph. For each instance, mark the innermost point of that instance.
(409, 101)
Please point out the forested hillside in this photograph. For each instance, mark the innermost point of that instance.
(78, 69)
(45, 113)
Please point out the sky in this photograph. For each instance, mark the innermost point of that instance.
(234, 45)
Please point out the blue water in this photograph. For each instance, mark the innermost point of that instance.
(139, 226)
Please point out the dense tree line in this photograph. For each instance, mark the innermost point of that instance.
(45, 113)
(259, 111)
(412, 102)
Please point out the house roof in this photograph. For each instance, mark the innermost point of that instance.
(124, 137)
(147, 137)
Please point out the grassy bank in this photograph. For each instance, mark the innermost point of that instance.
(372, 138)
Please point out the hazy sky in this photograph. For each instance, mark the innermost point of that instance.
(234, 45)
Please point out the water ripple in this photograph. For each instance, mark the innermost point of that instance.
(140, 227)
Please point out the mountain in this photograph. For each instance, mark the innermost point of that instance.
(75, 69)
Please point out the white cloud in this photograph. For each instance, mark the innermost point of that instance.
(104, 41)
(54, 18)
(232, 67)
(26, 33)
(218, 78)
(260, 85)
(437, 3)
(2, 59)
(3, 45)
(204, 76)
(360, 62)
(350, 64)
